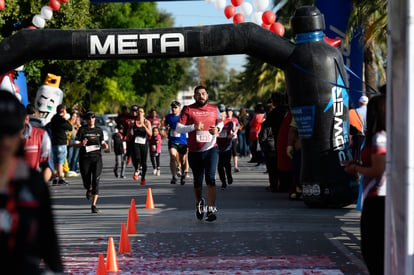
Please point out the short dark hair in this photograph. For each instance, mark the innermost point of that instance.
(30, 109)
(199, 87)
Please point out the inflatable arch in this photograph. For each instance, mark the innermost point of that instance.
(315, 79)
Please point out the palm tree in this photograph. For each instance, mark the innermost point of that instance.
(371, 17)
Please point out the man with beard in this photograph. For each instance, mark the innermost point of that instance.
(203, 123)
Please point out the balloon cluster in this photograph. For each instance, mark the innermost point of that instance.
(46, 13)
(239, 10)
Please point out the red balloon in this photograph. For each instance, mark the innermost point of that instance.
(268, 17)
(32, 27)
(277, 28)
(238, 18)
(237, 3)
(2, 5)
(54, 5)
(229, 11)
(267, 27)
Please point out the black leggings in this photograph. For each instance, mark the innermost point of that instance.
(139, 157)
(372, 234)
(155, 160)
(224, 167)
(91, 170)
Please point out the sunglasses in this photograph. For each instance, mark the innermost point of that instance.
(90, 117)
(174, 107)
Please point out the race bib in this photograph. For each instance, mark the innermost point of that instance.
(203, 136)
(223, 134)
(92, 148)
(173, 133)
(140, 140)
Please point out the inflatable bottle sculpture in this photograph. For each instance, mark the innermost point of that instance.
(316, 81)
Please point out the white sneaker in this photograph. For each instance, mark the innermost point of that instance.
(158, 172)
(154, 171)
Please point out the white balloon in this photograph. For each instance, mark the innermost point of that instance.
(257, 18)
(260, 5)
(220, 4)
(46, 12)
(246, 9)
(38, 21)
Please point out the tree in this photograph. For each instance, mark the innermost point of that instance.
(371, 17)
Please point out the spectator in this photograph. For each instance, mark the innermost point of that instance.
(293, 150)
(372, 168)
(30, 244)
(73, 152)
(362, 111)
(241, 134)
(59, 125)
(254, 125)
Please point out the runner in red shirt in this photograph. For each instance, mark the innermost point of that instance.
(203, 123)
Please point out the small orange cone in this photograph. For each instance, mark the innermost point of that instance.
(134, 210)
(111, 259)
(124, 246)
(131, 223)
(101, 270)
(150, 202)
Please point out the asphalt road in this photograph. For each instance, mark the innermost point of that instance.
(256, 232)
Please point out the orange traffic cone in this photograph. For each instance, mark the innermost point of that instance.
(101, 270)
(134, 210)
(124, 246)
(111, 259)
(131, 223)
(150, 202)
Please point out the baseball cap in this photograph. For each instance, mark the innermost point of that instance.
(363, 99)
(12, 114)
(229, 108)
(221, 108)
(175, 103)
(134, 108)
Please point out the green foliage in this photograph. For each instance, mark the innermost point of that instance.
(101, 85)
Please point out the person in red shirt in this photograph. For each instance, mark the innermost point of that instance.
(154, 119)
(203, 123)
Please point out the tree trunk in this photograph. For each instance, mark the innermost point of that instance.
(371, 75)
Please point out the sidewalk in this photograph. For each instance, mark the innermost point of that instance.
(256, 232)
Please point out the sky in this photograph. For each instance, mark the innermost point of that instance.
(196, 13)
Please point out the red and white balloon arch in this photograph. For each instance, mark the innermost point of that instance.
(257, 10)
(46, 13)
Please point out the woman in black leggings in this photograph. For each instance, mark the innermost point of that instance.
(138, 133)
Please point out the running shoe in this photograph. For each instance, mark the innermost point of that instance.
(55, 182)
(223, 186)
(200, 209)
(115, 173)
(211, 213)
(182, 181)
(94, 209)
(158, 172)
(236, 170)
(88, 194)
(136, 175)
(142, 182)
(154, 171)
(173, 180)
(62, 182)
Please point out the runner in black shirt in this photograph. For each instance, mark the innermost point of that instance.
(90, 139)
